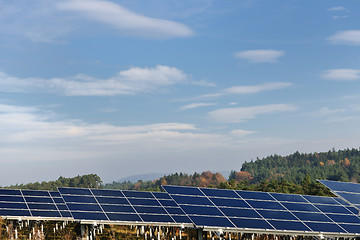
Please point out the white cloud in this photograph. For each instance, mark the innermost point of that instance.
(240, 133)
(257, 88)
(337, 8)
(132, 81)
(235, 115)
(344, 74)
(259, 56)
(125, 20)
(196, 105)
(340, 17)
(349, 37)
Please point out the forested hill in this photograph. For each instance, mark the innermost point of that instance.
(342, 165)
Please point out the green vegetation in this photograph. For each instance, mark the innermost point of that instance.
(84, 181)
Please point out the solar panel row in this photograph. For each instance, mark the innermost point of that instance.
(32, 204)
(123, 206)
(350, 192)
(261, 210)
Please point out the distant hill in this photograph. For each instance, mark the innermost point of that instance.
(342, 165)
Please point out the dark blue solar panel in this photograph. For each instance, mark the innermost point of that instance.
(14, 212)
(300, 207)
(75, 191)
(143, 202)
(341, 218)
(333, 209)
(55, 194)
(124, 217)
(62, 207)
(211, 221)
(307, 216)
(255, 195)
(269, 214)
(107, 193)
(66, 214)
(219, 193)
(83, 207)
(169, 203)
(13, 205)
(353, 198)
(156, 210)
(42, 206)
(238, 212)
(342, 201)
(351, 228)
(138, 194)
(89, 215)
(183, 190)
(288, 197)
(156, 218)
(35, 193)
(192, 200)
(341, 186)
(201, 210)
(353, 210)
(322, 200)
(11, 199)
(229, 202)
(181, 219)
(172, 210)
(325, 227)
(59, 200)
(161, 195)
(10, 192)
(44, 213)
(265, 205)
(79, 199)
(112, 200)
(289, 225)
(38, 199)
(117, 208)
(251, 223)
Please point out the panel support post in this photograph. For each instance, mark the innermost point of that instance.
(200, 234)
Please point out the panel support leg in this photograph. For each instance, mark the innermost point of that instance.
(200, 234)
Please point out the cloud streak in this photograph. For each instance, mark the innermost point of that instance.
(236, 115)
(260, 56)
(125, 20)
(196, 105)
(128, 82)
(257, 88)
(343, 74)
(349, 37)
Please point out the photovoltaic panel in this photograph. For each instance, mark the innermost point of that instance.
(123, 207)
(341, 186)
(264, 211)
(32, 204)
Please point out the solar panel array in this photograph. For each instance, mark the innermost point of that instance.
(346, 190)
(123, 206)
(30, 204)
(265, 211)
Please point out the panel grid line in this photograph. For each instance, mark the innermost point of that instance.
(132, 205)
(99, 205)
(26, 203)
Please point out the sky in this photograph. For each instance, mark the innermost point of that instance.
(121, 88)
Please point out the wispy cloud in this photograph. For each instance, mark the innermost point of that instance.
(132, 81)
(236, 115)
(340, 17)
(240, 133)
(337, 8)
(349, 37)
(125, 20)
(343, 74)
(196, 105)
(260, 56)
(257, 88)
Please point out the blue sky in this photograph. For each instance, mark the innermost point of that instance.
(120, 88)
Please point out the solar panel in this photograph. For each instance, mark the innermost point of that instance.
(123, 207)
(262, 211)
(350, 192)
(32, 204)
